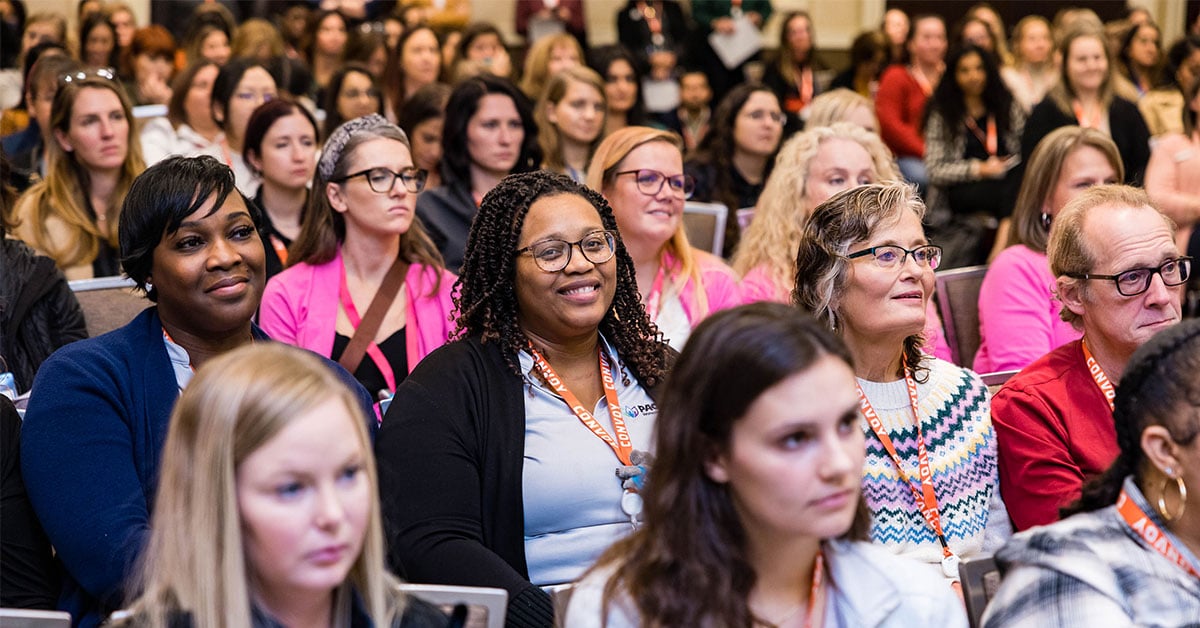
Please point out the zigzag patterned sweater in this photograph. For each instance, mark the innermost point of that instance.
(957, 427)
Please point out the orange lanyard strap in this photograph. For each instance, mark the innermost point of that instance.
(925, 495)
(804, 91)
(1139, 522)
(816, 606)
(654, 299)
(1089, 122)
(921, 80)
(167, 337)
(622, 445)
(280, 249)
(989, 141)
(1102, 382)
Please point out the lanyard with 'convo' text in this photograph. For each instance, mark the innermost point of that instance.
(1102, 382)
(621, 445)
(1140, 523)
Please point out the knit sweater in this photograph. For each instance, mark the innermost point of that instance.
(958, 434)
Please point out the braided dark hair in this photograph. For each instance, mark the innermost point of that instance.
(485, 294)
(1159, 387)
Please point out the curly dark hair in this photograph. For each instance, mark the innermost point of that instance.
(486, 297)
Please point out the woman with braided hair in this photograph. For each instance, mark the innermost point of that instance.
(1128, 555)
(550, 334)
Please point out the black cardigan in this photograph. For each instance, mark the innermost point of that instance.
(1129, 133)
(451, 454)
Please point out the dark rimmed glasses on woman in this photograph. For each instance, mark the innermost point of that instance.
(554, 255)
(1135, 281)
(890, 256)
(650, 182)
(381, 180)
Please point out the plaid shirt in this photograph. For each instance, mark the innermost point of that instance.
(1091, 570)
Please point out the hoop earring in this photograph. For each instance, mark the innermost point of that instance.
(1162, 502)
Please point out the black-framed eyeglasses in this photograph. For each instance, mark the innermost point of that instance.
(554, 255)
(650, 182)
(381, 180)
(101, 73)
(1135, 281)
(892, 256)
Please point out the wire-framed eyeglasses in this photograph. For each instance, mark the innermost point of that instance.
(553, 255)
(1135, 281)
(892, 256)
(381, 180)
(650, 182)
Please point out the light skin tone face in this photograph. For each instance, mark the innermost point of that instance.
(125, 25)
(427, 144)
(569, 304)
(304, 499)
(420, 57)
(1087, 65)
(494, 134)
(1035, 44)
(1128, 238)
(579, 114)
(1083, 168)
(895, 26)
(649, 219)
(794, 468)
(694, 92)
(98, 135)
(977, 33)
(36, 33)
(99, 46)
(886, 305)
(1143, 50)
(619, 86)
(971, 77)
(216, 48)
(863, 117)
(288, 152)
(209, 274)
(365, 210)
(561, 58)
(148, 68)
(839, 164)
(759, 125)
(255, 88)
(1189, 69)
(331, 35)
(42, 101)
(199, 95)
(486, 46)
(357, 97)
(928, 45)
(799, 35)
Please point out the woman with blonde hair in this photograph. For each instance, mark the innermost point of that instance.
(639, 170)
(247, 533)
(842, 105)
(570, 117)
(258, 39)
(1033, 70)
(548, 57)
(71, 215)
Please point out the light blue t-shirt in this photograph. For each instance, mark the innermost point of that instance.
(571, 494)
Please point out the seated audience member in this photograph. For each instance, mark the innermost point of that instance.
(732, 163)
(191, 242)
(868, 57)
(765, 532)
(482, 51)
(1139, 58)
(895, 29)
(796, 76)
(15, 119)
(1033, 71)
(414, 63)
(71, 215)
(281, 149)
(29, 578)
(1019, 318)
(489, 133)
(622, 88)
(548, 312)
(361, 250)
(692, 118)
(189, 127)
(570, 119)
(98, 47)
(1165, 108)
(904, 89)
(208, 42)
(28, 150)
(257, 39)
(1173, 174)
(640, 172)
(353, 93)
(423, 118)
(272, 433)
(1119, 278)
(923, 417)
(152, 62)
(324, 50)
(240, 87)
(546, 58)
(1127, 555)
(1084, 95)
(843, 105)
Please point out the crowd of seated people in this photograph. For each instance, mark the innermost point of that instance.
(423, 304)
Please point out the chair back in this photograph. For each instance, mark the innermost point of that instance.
(486, 607)
(705, 225)
(26, 618)
(994, 381)
(958, 303)
(980, 579)
(108, 302)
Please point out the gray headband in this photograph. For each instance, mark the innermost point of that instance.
(336, 143)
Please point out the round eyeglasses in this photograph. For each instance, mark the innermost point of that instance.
(554, 255)
(1135, 281)
(650, 182)
(892, 256)
(382, 180)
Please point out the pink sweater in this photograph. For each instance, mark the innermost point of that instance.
(300, 307)
(1173, 177)
(1018, 313)
(720, 285)
(757, 286)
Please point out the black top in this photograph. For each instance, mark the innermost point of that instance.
(270, 236)
(394, 349)
(29, 577)
(746, 194)
(1128, 130)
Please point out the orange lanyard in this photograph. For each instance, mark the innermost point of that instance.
(622, 445)
(926, 497)
(1102, 382)
(167, 337)
(921, 80)
(816, 606)
(1150, 532)
(990, 141)
(804, 92)
(1090, 122)
(280, 249)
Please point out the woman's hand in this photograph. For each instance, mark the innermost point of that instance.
(154, 90)
(993, 168)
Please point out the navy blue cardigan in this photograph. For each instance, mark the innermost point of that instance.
(90, 450)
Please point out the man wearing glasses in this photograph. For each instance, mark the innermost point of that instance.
(1120, 278)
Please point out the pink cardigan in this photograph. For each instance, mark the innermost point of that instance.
(719, 282)
(1018, 313)
(1173, 177)
(300, 307)
(757, 286)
